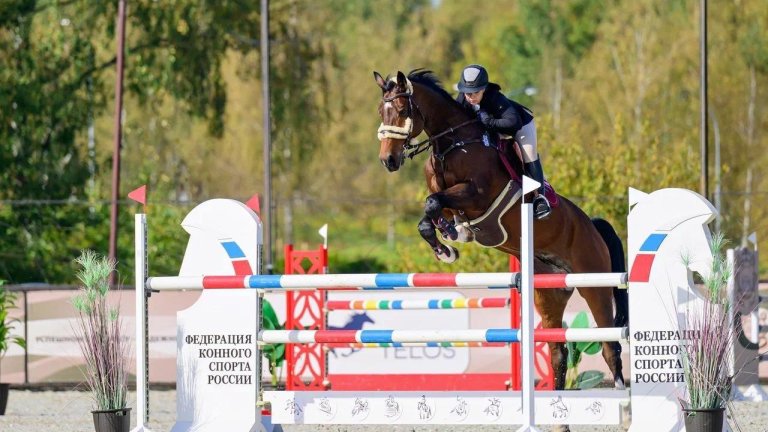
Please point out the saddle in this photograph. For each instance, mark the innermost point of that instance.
(487, 229)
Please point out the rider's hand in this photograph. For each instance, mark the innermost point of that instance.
(484, 117)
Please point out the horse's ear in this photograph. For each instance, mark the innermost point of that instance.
(401, 81)
(380, 81)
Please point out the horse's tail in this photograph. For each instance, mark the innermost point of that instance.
(616, 250)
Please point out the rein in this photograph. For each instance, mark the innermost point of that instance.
(414, 149)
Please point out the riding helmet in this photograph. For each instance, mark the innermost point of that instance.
(473, 79)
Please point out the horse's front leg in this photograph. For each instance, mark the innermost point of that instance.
(459, 196)
(444, 253)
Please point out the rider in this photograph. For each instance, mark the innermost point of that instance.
(507, 117)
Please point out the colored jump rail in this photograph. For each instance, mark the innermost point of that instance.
(459, 303)
(438, 336)
(386, 281)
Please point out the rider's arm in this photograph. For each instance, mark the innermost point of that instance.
(500, 114)
(508, 123)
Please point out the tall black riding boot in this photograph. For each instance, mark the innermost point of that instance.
(541, 207)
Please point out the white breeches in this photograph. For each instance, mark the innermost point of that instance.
(526, 137)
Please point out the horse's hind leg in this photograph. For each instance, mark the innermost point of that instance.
(600, 302)
(444, 253)
(550, 304)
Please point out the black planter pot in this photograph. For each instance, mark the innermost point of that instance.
(4, 388)
(117, 420)
(703, 420)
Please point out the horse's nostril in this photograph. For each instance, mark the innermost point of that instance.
(391, 161)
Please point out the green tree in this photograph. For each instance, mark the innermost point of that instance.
(56, 67)
(546, 42)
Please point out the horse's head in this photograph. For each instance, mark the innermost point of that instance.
(398, 124)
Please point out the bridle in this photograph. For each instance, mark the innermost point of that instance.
(399, 132)
(406, 132)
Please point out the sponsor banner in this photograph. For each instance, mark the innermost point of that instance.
(402, 360)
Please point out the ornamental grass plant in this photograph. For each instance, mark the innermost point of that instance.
(99, 329)
(706, 354)
(8, 302)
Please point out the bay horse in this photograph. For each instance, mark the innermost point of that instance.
(465, 174)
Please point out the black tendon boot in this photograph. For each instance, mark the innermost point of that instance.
(541, 207)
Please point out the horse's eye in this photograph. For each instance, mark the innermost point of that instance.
(403, 113)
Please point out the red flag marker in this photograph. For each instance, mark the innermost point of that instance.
(140, 196)
(253, 204)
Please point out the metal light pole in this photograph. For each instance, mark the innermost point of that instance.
(118, 133)
(704, 186)
(266, 211)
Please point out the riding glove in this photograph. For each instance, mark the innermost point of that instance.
(485, 118)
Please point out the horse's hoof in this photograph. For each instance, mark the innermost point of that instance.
(447, 254)
(618, 384)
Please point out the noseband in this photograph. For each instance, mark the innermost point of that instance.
(405, 132)
(399, 132)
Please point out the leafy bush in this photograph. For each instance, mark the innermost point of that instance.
(573, 378)
(275, 353)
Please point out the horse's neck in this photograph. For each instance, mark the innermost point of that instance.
(441, 115)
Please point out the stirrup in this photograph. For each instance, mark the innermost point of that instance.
(541, 207)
